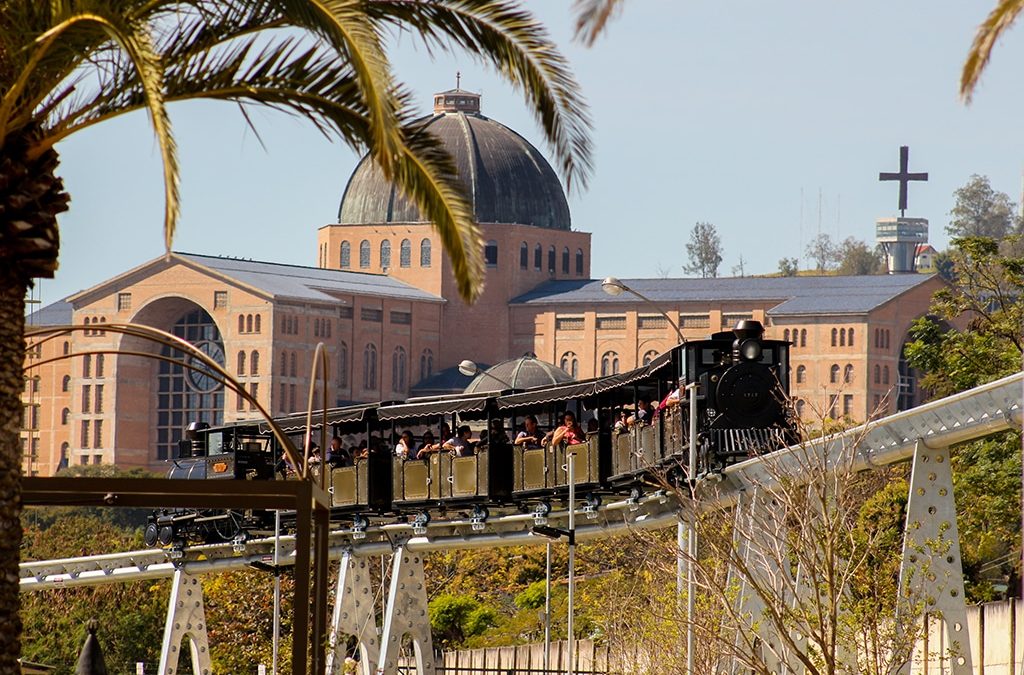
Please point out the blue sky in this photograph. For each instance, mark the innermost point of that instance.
(704, 111)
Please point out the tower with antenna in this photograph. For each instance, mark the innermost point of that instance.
(901, 237)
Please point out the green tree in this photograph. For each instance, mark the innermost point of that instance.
(855, 258)
(69, 64)
(789, 267)
(984, 293)
(704, 251)
(823, 252)
(980, 211)
(453, 618)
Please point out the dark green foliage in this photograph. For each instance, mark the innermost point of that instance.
(980, 211)
(130, 615)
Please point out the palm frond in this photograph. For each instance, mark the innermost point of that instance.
(592, 17)
(427, 175)
(997, 22)
(518, 46)
(345, 26)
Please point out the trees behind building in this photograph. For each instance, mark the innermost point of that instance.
(981, 211)
(704, 251)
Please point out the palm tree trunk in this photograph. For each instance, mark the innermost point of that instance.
(12, 354)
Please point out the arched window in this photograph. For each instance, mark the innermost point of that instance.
(524, 256)
(426, 364)
(579, 262)
(800, 407)
(885, 375)
(803, 337)
(849, 337)
(241, 323)
(284, 363)
(248, 323)
(842, 337)
(649, 356)
(785, 335)
(570, 364)
(99, 365)
(405, 253)
(346, 255)
(609, 364)
(538, 257)
(835, 337)
(848, 374)
(491, 254)
(398, 364)
(833, 375)
(385, 254)
(67, 348)
(886, 338)
(551, 260)
(342, 365)
(565, 260)
(293, 371)
(878, 374)
(241, 363)
(65, 415)
(87, 365)
(801, 374)
(364, 254)
(254, 363)
(370, 366)
(425, 253)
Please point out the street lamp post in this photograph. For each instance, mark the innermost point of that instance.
(614, 287)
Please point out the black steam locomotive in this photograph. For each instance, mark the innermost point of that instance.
(637, 435)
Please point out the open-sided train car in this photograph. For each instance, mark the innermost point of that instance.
(440, 479)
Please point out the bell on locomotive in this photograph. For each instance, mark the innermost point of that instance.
(742, 395)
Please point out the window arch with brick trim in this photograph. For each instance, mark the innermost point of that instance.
(538, 257)
(801, 374)
(833, 374)
(609, 364)
(570, 364)
(848, 374)
(565, 260)
(579, 262)
(240, 368)
(835, 337)
(551, 260)
(254, 363)
(524, 256)
(427, 363)
(346, 257)
(885, 375)
(370, 366)
(399, 361)
(364, 254)
(342, 365)
(425, 253)
(385, 254)
(803, 337)
(649, 356)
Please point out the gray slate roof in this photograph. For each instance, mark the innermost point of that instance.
(309, 283)
(55, 314)
(794, 295)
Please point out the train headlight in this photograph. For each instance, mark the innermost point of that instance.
(750, 350)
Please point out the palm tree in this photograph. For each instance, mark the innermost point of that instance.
(66, 65)
(998, 21)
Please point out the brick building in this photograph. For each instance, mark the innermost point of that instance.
(382, 300)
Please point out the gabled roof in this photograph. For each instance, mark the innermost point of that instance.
(55, 314)
(790, 295)
(308, 283)
(275, 281)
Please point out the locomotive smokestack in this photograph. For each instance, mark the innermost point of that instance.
(747, 345)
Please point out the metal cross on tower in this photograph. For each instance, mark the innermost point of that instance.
(904, 177)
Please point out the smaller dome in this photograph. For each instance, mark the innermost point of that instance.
(525, 372)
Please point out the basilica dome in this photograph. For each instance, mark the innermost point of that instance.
(506, 179)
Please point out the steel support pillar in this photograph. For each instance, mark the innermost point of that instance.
(354, 614)
(186, 618)
(931, 574)
(406, 615)
(759, 544)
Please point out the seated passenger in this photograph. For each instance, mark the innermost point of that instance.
(622, 423)
(314, 454)
(593, 426)
(406, 445)
(494, 435)
(644, 412)
(428, 446)
(460, 445)
(446, 432)
(669, 401)
(337, 456)
(530, 437)
(361, 451)
(570, 433)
